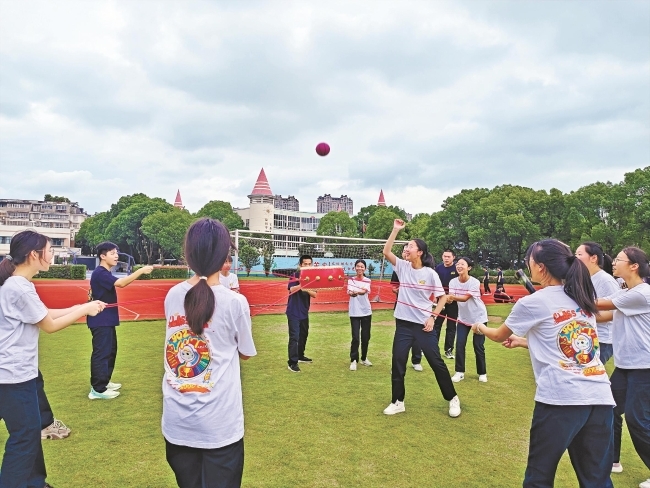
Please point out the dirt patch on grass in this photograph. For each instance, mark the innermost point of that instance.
(495, 319)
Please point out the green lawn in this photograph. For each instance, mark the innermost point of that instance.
(321, 428)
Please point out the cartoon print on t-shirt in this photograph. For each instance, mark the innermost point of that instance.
(578, 342)
(187, 357)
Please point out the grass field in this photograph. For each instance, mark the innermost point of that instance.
(321, 428)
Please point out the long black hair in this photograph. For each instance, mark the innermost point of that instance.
(207, 244)
(637, 256)
(562, 264)
(604, 260)
(22, 244)
(427, 258)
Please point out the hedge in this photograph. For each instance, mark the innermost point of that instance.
(64, 272)
(165, 273)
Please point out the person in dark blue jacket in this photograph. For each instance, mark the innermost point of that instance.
(298, 317)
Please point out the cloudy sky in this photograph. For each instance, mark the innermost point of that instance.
(422, 99)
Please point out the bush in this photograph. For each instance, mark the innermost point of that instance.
(165, 273)
(64, 272)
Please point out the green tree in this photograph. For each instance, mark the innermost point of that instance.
(249, 257)
(167, 230)
(380, 224)
(223, 212)
(267, 250)
(338, 224)
(127, 227)
(363, 216)
(92, 231)
(50, 198)
(418, 226)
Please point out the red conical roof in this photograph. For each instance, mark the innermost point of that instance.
(262, 186)
(178, 202)
(382, 201)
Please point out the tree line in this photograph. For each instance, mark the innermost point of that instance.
(495, 226)
(492, 226)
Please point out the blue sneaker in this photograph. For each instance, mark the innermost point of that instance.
(106, 395)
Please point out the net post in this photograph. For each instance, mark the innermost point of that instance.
(236, 251)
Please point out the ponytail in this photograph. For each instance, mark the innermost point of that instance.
(562, 264)
(22, 244)
(578, 285)
(207, 245)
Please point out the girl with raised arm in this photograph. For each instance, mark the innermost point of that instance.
(414, 320)
(573, 401)
(466, 290)
(208, 331)
(631, 340)
(22, 316)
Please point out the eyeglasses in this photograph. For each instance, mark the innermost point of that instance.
(616, 260)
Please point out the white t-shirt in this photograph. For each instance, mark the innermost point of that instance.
(202, 396)
(564, 349)
(605, 285)
(20, 309)
(231, 281)
(415, 290)
(631, 329)
(359, 305)
(472, 311)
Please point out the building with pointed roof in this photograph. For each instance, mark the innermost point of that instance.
(178, 203)
(382, 201)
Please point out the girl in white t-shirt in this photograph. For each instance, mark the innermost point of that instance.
(360, 314)
(466, 290)
(22, 316)
(414, 320)
(228, 279)
(208, 332)
(631, 338)
(573, 401)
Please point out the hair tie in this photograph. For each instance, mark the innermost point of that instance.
(9, 258)
(203, 278)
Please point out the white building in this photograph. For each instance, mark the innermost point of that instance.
(60, 221)
(289, 227)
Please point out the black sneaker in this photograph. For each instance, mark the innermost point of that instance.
(449, 354)
(305, 359)
(294, 368)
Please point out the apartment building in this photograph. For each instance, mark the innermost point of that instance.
(60, 221)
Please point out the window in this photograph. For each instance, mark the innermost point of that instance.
(57, 242)
(5, 239)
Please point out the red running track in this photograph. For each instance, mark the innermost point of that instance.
(143, 300)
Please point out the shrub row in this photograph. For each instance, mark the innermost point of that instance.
(64, 272)
(165, 273)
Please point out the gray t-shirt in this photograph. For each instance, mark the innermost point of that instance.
(605, 285)
(20, 309)
(631, 329)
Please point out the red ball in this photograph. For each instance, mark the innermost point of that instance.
(322, 149)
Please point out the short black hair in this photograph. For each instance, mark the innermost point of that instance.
(106, 247)
(363, 261)
(449, 250)
(303, 257)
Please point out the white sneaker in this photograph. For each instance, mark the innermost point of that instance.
(417, 367)
(482, 378)
(454, 406)
(617, 468)
(393, 408)
(106, 395)
(113, 386)
(353, 366)
(645, 484)
(366, 362)
(458, 377)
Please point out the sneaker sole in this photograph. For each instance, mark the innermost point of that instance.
(93, 397)
(455, 416)
(54, 437)
(394, 413)
(292, 370)
(306, 362)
